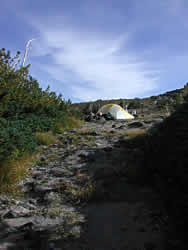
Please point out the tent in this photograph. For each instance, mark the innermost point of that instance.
(116, 111)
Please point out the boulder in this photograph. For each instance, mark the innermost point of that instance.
(17, 211)
(136, 125)
(94, 133)
(18, 223)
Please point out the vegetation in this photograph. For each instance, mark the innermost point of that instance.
(45, 138)
(12, 171)
(135, 104)
(27, 113)
(163, 104)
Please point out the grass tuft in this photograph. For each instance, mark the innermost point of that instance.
(12, 171)
(67, 123)
(45, 138)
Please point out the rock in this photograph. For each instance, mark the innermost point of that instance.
(4, 199)
(41, 188)
(122, 127)
(36, 174)
(31, 206)
(18, 223)
(135, 125)
(54, 145)
(51, 197)
(66, 142)
(112, 131)
(43, 158)
(50, 209)
(59, 172)
(48, 224)
(87, 154)
(94, 133)
(32, 202)
(76, 231)
(73, 131)
(27, 185)
(17, 211)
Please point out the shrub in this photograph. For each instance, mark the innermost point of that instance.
(26, 109)
(15, 137)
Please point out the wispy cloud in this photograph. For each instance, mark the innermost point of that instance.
(135, 49)
(95, 67)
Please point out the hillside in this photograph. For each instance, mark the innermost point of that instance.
(156, 105)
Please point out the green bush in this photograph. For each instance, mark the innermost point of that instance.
(25, 108)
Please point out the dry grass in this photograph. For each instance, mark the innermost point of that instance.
(11, 172)
(75, 139)
(75, 123)
(134, 133)
(86, 192)
(45, 138)
(77, 193)
(69, 123)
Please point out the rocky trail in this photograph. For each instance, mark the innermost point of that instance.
(80, 196)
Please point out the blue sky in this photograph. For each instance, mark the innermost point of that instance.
(100, 49)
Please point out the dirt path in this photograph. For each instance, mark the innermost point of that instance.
(124, 216)
(135, 223)
(56, 213)
(121, 225)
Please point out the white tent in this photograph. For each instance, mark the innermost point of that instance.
(116, 111)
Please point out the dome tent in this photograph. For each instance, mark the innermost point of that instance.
(116, 111)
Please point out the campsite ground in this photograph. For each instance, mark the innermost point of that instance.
(87, 192)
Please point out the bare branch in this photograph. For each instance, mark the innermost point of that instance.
(26, 51)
